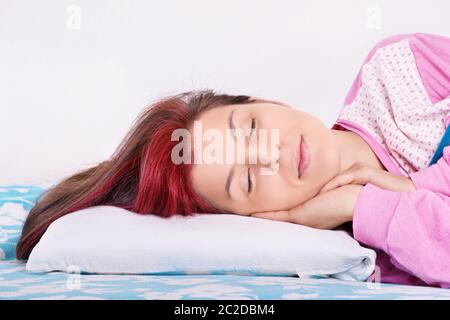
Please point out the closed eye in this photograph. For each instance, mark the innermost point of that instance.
(250, 184)
(253, 126)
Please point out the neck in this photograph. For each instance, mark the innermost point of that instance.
(353, 149)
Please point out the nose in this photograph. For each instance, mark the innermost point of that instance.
(264, 154)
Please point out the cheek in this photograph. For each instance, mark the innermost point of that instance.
(277, 194)
(207, 188)
(325, 162)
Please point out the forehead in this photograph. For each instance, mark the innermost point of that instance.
(218, 117)
(209, 179)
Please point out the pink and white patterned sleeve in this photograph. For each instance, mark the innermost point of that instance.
(432, 55)
(413, 228)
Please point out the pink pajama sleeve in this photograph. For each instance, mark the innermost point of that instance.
(432, 56)
(413, 228)
(436, 177)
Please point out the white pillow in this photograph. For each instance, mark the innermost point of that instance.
(108, 239)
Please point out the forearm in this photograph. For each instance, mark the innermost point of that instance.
(412, 227)
(436, 177)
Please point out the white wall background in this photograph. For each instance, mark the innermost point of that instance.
(75, 74)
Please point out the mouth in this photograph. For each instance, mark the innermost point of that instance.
(302, 157)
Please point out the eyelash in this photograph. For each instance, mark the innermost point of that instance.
(252, 130)
(249, 181)
(253, 126)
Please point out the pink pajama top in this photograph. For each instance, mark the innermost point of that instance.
(399, 104)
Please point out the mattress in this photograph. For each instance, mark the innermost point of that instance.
(16, 283)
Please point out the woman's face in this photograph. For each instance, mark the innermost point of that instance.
(268, 178)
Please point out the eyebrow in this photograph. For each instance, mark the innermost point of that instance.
(231, 172)
(230, 120)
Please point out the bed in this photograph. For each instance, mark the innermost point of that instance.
(16, 283)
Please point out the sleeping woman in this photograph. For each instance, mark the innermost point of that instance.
(383, 168)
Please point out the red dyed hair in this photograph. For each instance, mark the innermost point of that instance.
(139, 176)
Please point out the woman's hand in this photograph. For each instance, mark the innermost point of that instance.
(325, 211)
(335, 202)
(360, 174)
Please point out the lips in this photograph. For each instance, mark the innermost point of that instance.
(303, 157)
(299, 156)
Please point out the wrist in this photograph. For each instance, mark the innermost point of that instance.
(374, 210)
(354, 195)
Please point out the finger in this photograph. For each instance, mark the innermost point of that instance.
(282, 215)
(388, 181)
(338, 181)
(357, 174)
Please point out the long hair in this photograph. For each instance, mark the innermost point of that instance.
(139, 176)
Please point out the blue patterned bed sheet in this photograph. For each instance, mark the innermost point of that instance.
(15, 203)
(16, 283)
